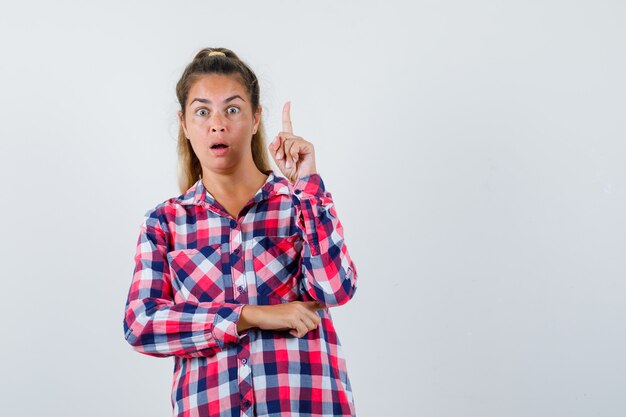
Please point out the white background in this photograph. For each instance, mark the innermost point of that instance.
(475, 152)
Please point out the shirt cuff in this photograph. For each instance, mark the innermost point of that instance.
(310, 186)
(310, 199)
(225, 325)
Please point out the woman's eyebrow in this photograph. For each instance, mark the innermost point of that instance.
(204, 100)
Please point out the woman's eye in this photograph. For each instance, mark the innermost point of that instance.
(236, 110)
(202, 112)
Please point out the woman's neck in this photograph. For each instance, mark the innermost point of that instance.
(236, 185)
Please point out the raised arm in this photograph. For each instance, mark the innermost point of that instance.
(157, 326)
(329, 273)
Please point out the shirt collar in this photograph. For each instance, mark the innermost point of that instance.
(197, 194)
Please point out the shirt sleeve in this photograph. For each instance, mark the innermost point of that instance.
(329, 274)
(157, 326)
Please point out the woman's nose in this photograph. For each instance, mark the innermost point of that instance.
(217, 123)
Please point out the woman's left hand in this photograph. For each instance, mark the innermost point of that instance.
(294, 156)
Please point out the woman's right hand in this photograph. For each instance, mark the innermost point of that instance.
(299, 317)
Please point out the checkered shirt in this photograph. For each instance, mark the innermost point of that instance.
(196, 267)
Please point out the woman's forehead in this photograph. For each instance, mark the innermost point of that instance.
(217, 84)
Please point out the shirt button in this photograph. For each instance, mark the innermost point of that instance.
(244, 361)
(237, 250)
(241, 288)
(297, 191)
(246, 403)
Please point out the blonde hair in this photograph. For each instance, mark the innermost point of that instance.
(189, 168)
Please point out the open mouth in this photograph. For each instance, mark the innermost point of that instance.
(219, 146)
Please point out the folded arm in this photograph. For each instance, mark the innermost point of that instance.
(157, 326)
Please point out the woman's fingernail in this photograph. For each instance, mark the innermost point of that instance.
(279, 155)
(288, 164)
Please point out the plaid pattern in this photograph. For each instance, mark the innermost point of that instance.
(195, 269)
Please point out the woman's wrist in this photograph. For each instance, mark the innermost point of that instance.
(247, 318)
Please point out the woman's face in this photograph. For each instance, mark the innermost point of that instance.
(219, 112)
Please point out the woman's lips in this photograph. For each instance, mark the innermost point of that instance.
(220, 151)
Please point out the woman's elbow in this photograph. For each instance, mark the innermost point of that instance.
(335, 297)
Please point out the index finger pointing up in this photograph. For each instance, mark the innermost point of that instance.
(287, 118)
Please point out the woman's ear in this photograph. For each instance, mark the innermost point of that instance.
(181, 120)
(257, 119)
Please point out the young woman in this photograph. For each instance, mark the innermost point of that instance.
(234, 277)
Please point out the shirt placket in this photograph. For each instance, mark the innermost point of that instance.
(237, 263)
(241, 296)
